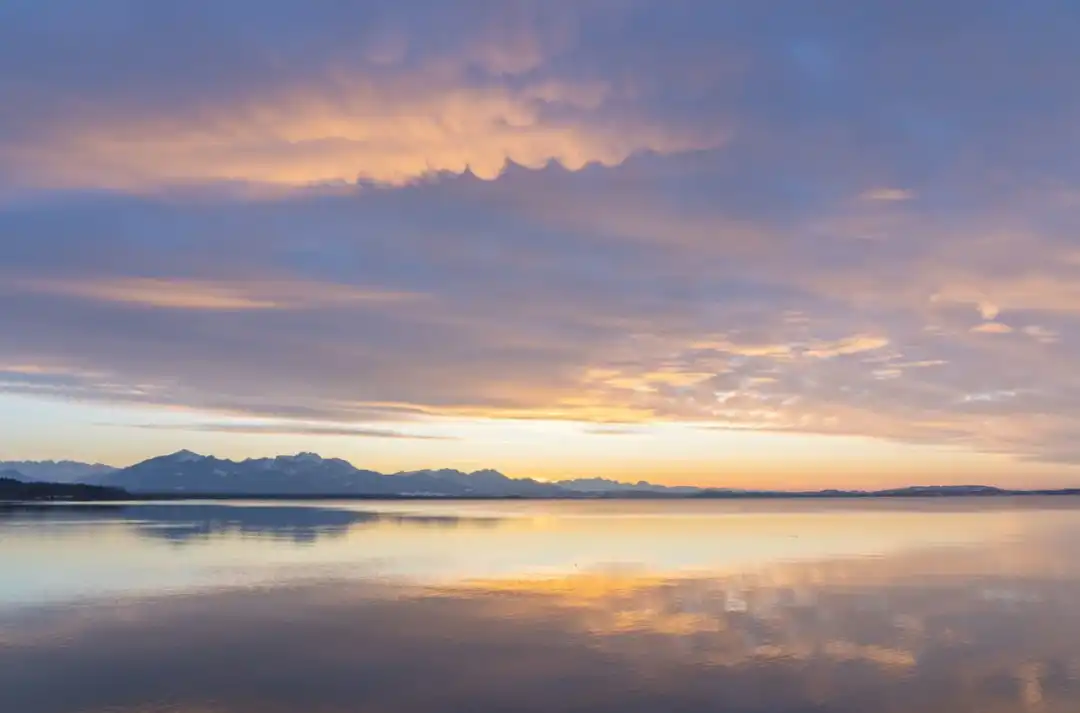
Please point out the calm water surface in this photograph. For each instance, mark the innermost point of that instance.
(911, 606)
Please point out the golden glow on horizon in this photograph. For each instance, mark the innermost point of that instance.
(665, 453)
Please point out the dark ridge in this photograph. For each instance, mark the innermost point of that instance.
(17, 490)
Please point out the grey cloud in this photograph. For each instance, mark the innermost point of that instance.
(523, 310)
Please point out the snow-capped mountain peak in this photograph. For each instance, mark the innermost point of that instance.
(184, 456)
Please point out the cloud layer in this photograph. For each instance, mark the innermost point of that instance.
(294, 99)
(849, 220)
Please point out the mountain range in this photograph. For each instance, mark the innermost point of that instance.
(307, 474)
(55, 471)
(185, 473)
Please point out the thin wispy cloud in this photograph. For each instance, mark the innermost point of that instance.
(225, 295)
(613, 431)
(992, 328)
(887, 194)
(290, 429)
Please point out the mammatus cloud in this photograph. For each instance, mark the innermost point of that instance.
(393, 131)
(382, 101)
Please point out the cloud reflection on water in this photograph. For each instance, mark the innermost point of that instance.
(979, 630)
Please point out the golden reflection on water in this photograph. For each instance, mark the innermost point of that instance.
(803, 610)
(978, 617)
(152, 547)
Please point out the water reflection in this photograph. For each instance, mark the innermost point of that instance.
(73, 552)
(917, 634)
(185, 522)
(335, 608)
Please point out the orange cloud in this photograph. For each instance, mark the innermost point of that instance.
(849, 345)
(647, 380)
(341, 129)
(822, 349)
(992, 328)
(750, 350)
(169, 293)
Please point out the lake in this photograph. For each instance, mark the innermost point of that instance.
(778, 606)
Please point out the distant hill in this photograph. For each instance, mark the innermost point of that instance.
(56, 471)
(12, 474)
(18, 490)
(914, 491)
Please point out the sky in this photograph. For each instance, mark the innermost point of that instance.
(726, 242)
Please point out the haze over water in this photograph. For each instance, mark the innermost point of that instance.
(924, 606)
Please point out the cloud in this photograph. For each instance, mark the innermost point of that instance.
(989, 311)
(625, 330)
(187, 294)
(1042, 334)
(292, 429)
(815, 349)
(612, 430)
(992, 328)
(548, 210)
(1049, 290)
(887, 194)
(393, 131)
(850, 345)
(375, 102)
